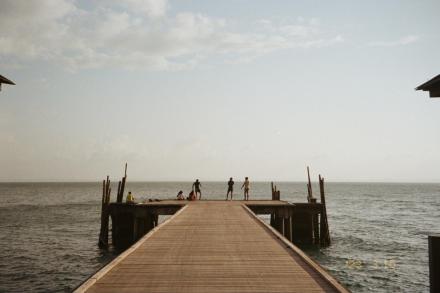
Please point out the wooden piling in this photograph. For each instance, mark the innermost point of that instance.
(139, 228)
(123, 224)
(324, 229)
(434, 262)
(315, 224)
(122, 186)
(275, 192)
(118, 197)
(288, 228)
(278, 222)
(309, 186)
(276, 219)
(155, 220)
(103, 234)
(149, 222)
(302, 227)
(103, 191)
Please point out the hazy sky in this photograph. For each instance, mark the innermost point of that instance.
(213, 89)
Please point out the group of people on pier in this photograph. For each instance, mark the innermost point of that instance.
(196, 190)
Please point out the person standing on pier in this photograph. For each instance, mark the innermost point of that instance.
(230, 188)
(246, 185)
(196, 188)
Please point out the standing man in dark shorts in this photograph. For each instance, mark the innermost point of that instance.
(246, 186)
(230, 188)
(196, 188)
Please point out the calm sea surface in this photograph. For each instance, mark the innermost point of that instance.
(49, 231)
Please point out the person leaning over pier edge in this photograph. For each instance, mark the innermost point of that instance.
(230, 188)
(130, 198)
(196, 188)
(246, 188)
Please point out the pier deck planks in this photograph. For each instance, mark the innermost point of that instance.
(212, 246)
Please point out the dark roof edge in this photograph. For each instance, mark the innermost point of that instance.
(428, 83)
(5, 80)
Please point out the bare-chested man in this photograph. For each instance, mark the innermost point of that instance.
(196, 188)
(246, 186)
(230, 188)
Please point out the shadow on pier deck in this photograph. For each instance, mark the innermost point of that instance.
(213, 246)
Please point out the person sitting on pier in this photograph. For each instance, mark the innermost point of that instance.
(246, 188)
(192, 195)
(180, 195)
(130, 198)
(196, 188)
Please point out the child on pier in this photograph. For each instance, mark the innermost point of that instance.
(180, 195)
(192, 195)
(130, 198)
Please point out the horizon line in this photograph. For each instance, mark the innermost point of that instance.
(216, 181)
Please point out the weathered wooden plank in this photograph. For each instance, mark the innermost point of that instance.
(212, 246)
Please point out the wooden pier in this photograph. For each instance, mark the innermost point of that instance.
(213, 246)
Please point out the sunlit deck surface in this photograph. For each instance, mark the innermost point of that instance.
(212, 246)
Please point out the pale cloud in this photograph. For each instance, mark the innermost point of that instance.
(298, 30)
(406, 40)
(264, 22)
(31, 28)
(138, 34)
(152, 8)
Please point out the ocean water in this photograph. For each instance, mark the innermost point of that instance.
(49, 231)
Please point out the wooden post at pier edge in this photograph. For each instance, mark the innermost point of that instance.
(121, 186)
(314, 218)
(275, 192)
(274, 220)
(309, 187)
(324, 233)
(434, 263)
(272, 188)
(103, 234)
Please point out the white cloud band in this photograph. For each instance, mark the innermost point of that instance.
(137, 34)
